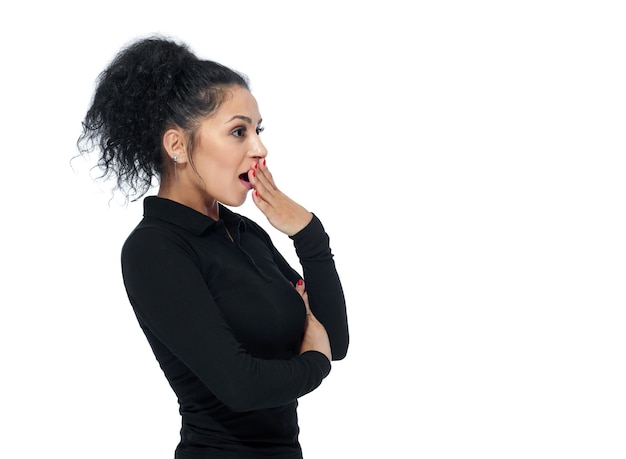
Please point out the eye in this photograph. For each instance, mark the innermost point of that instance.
(239, 132)
(259, 130)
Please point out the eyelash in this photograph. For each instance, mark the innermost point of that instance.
(242, 130)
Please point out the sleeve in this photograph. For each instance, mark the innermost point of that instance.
(169, 294)
(326, 297)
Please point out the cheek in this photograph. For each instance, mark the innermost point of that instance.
(227, 166)
(220, 159)
(231, 159)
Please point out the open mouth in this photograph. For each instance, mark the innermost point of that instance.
(244, 177)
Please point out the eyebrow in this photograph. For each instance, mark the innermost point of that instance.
(244, 118)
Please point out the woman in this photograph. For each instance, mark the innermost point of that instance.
(239, 334)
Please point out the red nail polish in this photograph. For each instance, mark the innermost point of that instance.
(300, 282)
(255, 165)
(253, 174)
(256, 193)
(264, 162)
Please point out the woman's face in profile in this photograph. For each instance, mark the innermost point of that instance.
(227, 145)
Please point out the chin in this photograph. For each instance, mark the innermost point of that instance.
(235, 202)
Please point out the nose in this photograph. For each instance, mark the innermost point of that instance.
(257, 149)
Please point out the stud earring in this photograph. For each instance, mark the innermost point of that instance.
(175, 158)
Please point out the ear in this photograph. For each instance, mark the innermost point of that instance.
(174, 144)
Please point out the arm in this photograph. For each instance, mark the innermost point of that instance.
(323, 286)
(312, 246)
(170, 296)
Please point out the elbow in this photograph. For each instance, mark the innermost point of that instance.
(239, 407)
(340, 355)
(244, 394)
(240, 402)
(339, 341)
(339, 352)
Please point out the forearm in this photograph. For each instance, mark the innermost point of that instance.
(323, 285)
(174, 304)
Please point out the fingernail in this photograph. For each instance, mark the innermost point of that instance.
(253, 174)
(255, 165)
(256, 193)
(300, 282)
(264, 162)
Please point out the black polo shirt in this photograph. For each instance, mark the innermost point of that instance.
(225, 324)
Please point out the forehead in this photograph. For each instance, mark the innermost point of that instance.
(239, 102)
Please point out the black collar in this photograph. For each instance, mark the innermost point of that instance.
(188, 218)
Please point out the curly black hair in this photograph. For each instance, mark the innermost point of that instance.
(152, 84)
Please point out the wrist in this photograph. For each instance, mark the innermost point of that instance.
(301, 222)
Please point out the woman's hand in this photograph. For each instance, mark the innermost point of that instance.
(315, 337)
(283, 214)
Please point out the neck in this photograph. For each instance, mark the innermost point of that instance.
(204, 205)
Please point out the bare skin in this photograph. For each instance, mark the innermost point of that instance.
(283, 213)
(315, 336)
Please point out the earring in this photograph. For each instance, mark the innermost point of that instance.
(175, 158)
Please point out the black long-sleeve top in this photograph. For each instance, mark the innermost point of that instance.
(225, 324)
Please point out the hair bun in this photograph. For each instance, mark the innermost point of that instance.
(151, 84)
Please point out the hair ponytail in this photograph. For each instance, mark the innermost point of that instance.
(150, 86)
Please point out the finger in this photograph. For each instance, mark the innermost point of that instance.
(266, 174)
(260, 202)
(255, 177)
(300, 288)
(261, 185)
(309, 313)
(263, 182)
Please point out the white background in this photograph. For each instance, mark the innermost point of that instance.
(467, 159)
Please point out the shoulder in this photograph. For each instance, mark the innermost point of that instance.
(154, 237)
